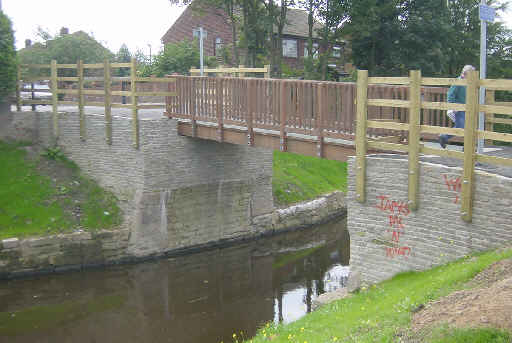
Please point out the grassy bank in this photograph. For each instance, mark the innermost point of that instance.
(297, 178)
(42, 192)
(383, 312)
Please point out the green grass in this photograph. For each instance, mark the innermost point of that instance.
(487, 335)
(381, 312)
(25, 206)
(31, 204)
(297, 178)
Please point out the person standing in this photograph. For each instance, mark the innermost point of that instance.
(457, 95)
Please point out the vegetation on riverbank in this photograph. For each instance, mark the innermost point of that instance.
(382, 312)
(298, 178)
(45, 193)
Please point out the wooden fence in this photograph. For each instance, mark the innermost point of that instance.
(415, 127)
(241, 71)
(312, 108)
(81, 92)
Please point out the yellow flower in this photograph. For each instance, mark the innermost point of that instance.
(234, 335)
(334, 339)
(301, 329)
(290, 336)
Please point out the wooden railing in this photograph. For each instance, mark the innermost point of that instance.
(312, 108)
(80, 91)
(416, 127)
(241, 71)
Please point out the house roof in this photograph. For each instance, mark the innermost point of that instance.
(297, 23)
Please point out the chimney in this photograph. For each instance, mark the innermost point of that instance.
(28, 43)
(64, 31)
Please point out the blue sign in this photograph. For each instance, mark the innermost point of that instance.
(487, 13)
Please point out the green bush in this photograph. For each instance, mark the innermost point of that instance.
(8, 61)
(177, 58)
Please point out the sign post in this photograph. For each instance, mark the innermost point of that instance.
(486, 13)
(201, 34)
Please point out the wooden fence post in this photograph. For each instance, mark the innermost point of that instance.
(19, 85)
(470, 133)
(81, 100)
(135, 114)
(55, 99)
(414, 137)
(107, 85)
(267, 73)
(219, 103)
(249, 119)
(490, 99)
(282, 111)
(361, 115)
(241, 74)
(321, 96)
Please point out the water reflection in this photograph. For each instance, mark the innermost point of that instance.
(203, 297)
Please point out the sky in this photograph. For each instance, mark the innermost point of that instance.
(112, 22)
(138, 24)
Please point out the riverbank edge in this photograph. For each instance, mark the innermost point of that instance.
(83, 250)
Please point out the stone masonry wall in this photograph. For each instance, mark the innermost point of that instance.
(387, 238)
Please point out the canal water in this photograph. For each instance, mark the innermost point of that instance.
(203, 297)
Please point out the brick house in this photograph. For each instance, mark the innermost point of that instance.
(218, 27)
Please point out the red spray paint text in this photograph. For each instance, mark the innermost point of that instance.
(397, 210)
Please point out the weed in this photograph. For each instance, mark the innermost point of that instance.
(53, 154)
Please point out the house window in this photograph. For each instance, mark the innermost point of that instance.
(218, 46)
(290, 48)
(336, 51)
(315, 50)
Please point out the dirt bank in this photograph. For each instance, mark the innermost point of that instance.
(485, 301)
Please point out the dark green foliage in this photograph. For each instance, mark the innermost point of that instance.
(68, 48)
(123, 56)
(177, 58)
(436, 36)
(8, 62)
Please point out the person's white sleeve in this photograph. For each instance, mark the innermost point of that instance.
(451, 115)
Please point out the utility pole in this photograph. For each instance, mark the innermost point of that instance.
(486, 13)
(201, 34)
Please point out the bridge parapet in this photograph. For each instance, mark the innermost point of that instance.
(387, 238)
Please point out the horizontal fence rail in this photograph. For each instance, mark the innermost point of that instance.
(241, 71)
(423, 120)
(79, 89)
(313, 108)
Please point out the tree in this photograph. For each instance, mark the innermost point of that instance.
(332, 14)
(123, 56)
(177, 58)
(374, 28)
(311, 7)
(65, 48)
(8, 61)
(424, 38)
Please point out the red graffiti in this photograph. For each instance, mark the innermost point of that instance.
(398, 251)
(395, 221)
(396, 236)
(398, 207)
(454, 185)
(398, 210)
